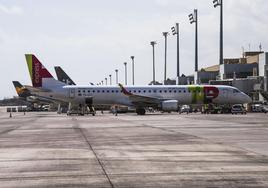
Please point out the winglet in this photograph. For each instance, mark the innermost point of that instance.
(124, 90)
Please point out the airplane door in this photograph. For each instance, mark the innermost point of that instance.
(225, 94)
(72, 93)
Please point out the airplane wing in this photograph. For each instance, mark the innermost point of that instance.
(140, 100)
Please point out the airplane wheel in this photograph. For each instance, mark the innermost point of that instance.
(140, 111)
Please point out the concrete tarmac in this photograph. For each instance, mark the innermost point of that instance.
(155, 150)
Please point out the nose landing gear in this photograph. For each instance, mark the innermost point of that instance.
(140, 111)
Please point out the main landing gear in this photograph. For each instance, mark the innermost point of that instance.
(140, 111)
(92, 110)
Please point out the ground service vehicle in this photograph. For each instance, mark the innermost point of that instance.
(238, 109)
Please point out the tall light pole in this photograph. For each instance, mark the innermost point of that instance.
(105, 81)
(102, 82)
(125, 63)
(110, 79)
(153, 43)
(194, 19)
(175, 31)
(116, 76)
(165, 34)
(216, 4)
(132, 57)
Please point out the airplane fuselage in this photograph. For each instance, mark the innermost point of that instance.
(184, 94)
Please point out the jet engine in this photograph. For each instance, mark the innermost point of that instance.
(169, 105)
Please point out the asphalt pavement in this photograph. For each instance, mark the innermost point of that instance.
(156, 150)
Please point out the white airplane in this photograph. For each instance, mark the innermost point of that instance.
(163, 97)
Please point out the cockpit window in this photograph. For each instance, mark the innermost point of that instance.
(236, 91)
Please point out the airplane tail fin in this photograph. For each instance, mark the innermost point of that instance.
(21, 90)
(40, 76)
(62, 76)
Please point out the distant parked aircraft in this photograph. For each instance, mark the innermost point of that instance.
(26, 95)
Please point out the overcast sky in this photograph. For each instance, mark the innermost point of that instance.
(90, 39)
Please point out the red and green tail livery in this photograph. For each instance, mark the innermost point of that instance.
(37, 71)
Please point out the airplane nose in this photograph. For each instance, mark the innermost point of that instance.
(247, 99)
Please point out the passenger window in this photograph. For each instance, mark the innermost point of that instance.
(154, 91)
(170, 91)
(144, 91)
(93, 91)
(160, 91)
